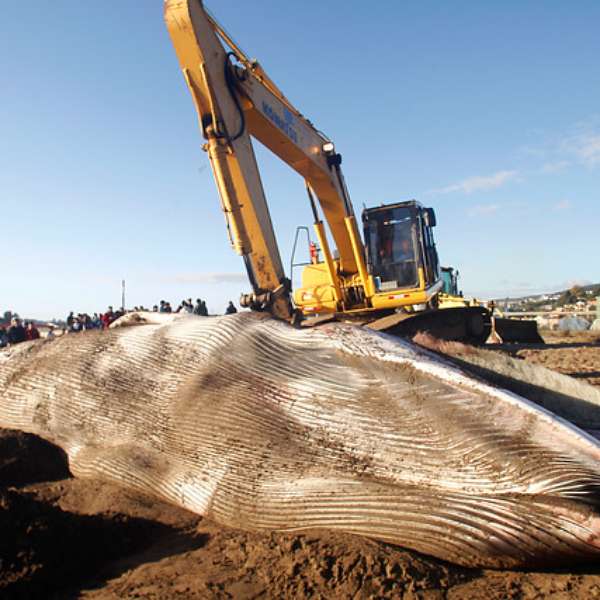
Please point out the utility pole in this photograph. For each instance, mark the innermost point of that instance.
(123, 295)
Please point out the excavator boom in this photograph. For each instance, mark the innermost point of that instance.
(235, 99)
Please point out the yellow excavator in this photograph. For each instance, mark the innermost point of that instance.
(391, 281)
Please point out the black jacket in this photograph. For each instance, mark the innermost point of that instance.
(16, 334)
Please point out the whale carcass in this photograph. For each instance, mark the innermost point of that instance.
(259, 425)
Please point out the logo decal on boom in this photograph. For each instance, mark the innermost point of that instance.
(284, 123)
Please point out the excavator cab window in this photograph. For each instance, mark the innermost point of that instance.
(392, 250)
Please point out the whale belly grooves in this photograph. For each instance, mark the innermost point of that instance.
(262, 426)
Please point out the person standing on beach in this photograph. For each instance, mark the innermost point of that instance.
(32, 331)
(16, 332)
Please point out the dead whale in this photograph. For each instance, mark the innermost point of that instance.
(262, 426)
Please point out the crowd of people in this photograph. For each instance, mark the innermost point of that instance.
(18, 331)
(186, 306)
(103, 320)
(83, 321)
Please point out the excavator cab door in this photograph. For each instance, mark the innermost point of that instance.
(431, 265)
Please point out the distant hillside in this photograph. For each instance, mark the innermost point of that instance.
(576, 297)
(593, 289)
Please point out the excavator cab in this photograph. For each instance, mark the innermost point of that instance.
(450, 279)
(400, 247)
(401, 255)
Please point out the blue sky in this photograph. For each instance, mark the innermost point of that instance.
(489, 112)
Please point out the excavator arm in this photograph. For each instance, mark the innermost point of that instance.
(235, 100)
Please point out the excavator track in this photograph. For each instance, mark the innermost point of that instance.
(473, 325)
(470, 324)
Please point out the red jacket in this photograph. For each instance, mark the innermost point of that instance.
(32, 334)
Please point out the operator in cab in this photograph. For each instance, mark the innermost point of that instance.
(396, 255)
(407, 272)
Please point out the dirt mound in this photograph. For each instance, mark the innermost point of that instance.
(236, 564)
(44, 549)
(26, 458)
(570, 356)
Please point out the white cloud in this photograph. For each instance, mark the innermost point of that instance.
(586, 147)
(579, 144)
(562, 205)
(207, 278)
(479, 183)
(532, 151)
(554, 167)
(480, 210)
